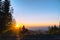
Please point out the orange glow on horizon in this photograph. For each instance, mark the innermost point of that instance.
(41, 24)
(31, 24)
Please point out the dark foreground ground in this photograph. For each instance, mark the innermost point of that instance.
(32, 37)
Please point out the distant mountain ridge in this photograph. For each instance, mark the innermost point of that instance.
(38, 28)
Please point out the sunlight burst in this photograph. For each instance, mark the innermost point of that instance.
(18, 25)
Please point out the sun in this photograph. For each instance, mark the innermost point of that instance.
(18, 25)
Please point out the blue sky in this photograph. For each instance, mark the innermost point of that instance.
(36, 11)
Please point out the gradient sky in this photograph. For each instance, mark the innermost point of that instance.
(36, 12)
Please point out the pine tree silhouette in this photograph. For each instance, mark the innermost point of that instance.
(59, 27)
(5, 15)
(24, 30)
(0, 5)
(6, 6)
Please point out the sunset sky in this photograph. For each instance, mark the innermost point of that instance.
(36, 12)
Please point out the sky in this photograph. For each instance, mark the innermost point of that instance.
(36, 12)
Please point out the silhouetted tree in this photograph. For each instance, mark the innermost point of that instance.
(5, 16)
(24, 30)
(0, 5)
(59, 25)
(6, 6)
(50, 29)
(53, 30)
(55, 27)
